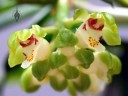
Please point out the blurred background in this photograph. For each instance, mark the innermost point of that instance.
(20, 14)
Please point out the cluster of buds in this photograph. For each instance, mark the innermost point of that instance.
(78, 61)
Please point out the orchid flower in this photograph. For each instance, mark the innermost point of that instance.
(27, 46)
(95, 27)
(89, 34)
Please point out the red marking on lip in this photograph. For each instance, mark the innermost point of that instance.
(84, 27)
(29, 41)
(92, 22)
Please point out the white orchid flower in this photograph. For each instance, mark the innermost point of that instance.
(34, 49)
(89, 34)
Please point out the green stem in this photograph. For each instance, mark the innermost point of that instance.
(62, 12)
(51, 30)
(71, 89)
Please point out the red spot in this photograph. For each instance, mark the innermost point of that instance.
(92, 22)
(36, 41)
(29, 41)
(24, 54)
(84, 27)
(100, 37)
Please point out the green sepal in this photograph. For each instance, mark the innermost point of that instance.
(82, 83)
(65, 38)
(111, 37)
(85, 56)
(24, 34)
(96, 15)
(38, 31)
(27, 81)
(40, 69)
(16, 57)
(109, 19)
(70, 72)
(12, 42)
(81, 14)
(58, 83)
(57, 59)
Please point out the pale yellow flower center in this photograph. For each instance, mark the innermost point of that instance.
(30, 57)
(93, 42)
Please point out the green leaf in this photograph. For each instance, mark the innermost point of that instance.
(123, 2)
(111, 37)
(85, 56)
(58, 82)
(40, 69)
(65, 38)
(28, 82)
(82, 83)
(70, 72)
(57, 59)
(25, 10)
(109, 2)
(80, 14)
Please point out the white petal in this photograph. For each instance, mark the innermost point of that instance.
(84, 43)
(73, 61)
(25, 64)
(97, 85)
(67, 51)
(40, 52)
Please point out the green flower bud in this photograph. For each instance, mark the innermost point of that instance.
(82, 83)
(106, 58)
(116, 65)
(85, 56)
(65, 38)
(57, 59)
(58, 82)
(40, 69)
(72, 24)
(70, 72)
(28, 82)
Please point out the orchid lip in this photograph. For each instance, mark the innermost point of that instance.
(92, 22)
(30, 40)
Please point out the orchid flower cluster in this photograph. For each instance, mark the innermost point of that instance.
(78, 61)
